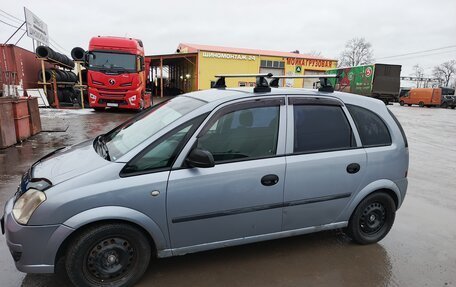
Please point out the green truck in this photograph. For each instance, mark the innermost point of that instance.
(379, 81)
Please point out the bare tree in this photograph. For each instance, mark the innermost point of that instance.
(445, 72)
(418, 72)
(357, 52)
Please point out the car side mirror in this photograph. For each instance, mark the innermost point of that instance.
(200, 158)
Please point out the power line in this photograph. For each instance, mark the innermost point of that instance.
(9, 24)
(12, 16)
(418, 52)
(421, 56)
(56, 46)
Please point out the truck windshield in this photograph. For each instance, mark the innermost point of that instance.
(131, 133)
(112, 62)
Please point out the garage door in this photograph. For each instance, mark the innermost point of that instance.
(310, 83)
(275, 72)
(277, 68)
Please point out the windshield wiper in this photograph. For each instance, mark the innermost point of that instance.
(104, 148)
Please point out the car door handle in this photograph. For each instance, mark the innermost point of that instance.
(269, 179)
(353, 168)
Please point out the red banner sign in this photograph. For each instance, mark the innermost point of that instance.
(310, 62)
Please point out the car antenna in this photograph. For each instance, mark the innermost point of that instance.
(325, 84)
(262, 85)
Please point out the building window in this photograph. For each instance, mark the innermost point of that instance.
(272, 64)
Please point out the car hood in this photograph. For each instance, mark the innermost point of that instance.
(68, 162)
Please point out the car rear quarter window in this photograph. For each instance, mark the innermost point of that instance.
(400, 128)
(321, 128)
(371, 128)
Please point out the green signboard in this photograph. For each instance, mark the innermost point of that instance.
(356, 80)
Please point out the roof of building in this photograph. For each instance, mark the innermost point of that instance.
(194, 48)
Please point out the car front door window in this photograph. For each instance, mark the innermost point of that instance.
(242, 134)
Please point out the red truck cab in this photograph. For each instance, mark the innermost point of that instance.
(116, 74)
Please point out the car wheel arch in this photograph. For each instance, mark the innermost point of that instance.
(383, 185)
(101, 215)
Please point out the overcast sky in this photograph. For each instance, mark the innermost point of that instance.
(393, 27)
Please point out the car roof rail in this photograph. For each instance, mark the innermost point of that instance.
(262, 85)
(325, 84)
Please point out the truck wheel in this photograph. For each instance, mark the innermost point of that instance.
(401, 103)
(108, 255)
(372, 219)
(421, 104)
(444, 105)
(452, 107)
(99, 109)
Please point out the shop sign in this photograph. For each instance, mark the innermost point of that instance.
(228, 56)
(309, 62)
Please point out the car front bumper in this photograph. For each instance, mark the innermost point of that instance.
(33, 248)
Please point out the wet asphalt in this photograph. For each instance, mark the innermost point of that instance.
(419, 250)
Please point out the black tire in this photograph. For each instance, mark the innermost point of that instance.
(409, 105)
(452, 107)
(421, 104)
(372, 219)
(444, 106)
(401, 103)
(112, 255)
(99, 109)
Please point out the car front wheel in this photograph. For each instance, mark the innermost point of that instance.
(372, 219)
(108, 255)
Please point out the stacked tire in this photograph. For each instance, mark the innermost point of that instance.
(60, 75)
(48, 53)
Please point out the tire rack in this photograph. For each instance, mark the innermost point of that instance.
(54, 83)
(79, 84)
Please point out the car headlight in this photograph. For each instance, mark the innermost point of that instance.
(26, 204)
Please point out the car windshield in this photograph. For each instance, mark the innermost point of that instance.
(136, 130)
(112, 62)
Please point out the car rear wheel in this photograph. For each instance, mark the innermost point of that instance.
(372, 219)
(401, 103)
(108, 255)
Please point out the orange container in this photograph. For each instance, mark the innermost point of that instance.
(22, 127)
(20, 108)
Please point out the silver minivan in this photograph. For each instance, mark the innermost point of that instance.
(205, 170)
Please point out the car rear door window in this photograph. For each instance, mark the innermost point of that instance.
(242, 134)
(321, 128)
(371, 128)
